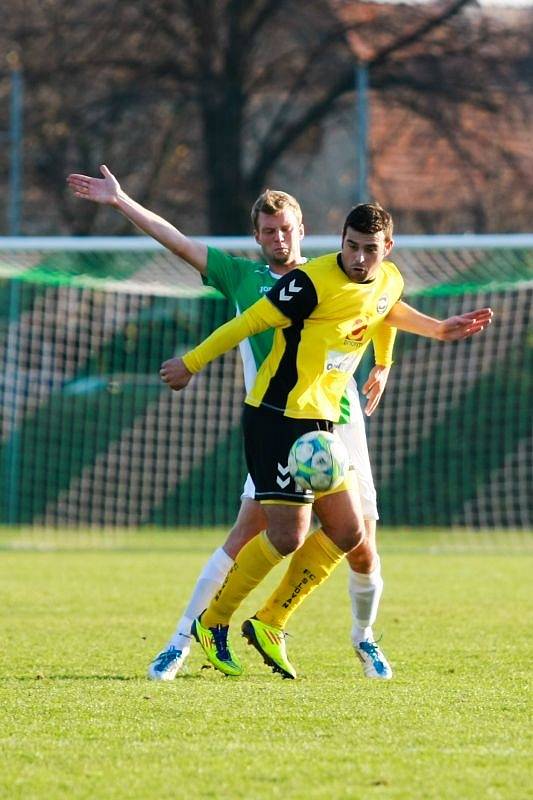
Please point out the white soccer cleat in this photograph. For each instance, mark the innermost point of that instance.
(167, 663)
(375, 665)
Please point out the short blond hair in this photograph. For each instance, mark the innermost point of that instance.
(272, 202)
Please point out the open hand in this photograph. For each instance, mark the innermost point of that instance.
(374, 387)
(100, 190)
(464, 325)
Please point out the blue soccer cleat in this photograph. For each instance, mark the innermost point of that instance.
(375, 665)
(167, 663)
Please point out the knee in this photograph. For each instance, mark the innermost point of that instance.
(348, 537)
(285, 541)
(362, 558)
(237, 538)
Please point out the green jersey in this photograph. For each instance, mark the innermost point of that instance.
(243, 281)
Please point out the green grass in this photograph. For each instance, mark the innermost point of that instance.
(83, 614)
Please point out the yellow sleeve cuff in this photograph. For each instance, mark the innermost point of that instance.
(383, 343)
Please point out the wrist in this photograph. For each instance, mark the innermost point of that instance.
(439, 332)
(120, 200)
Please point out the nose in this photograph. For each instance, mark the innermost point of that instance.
(359, 256)
(279, 236)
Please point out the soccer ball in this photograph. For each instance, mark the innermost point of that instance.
(318, 460)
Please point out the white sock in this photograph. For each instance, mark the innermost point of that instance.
(365, 593)
(209, 582)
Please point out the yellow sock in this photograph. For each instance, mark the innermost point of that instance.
(254, 561)
(308, 568)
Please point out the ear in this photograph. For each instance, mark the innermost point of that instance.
(388, 247)
(301, 231)
(256, 236)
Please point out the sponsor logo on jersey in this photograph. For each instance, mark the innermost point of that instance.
(382, 304)
(341, 362)
(264, 289)
(357, 333)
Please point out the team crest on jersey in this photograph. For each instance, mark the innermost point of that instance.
(382, 304)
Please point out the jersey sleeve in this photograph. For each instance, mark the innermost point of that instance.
(383, 344)
(294, 295)
(257, 318)
(223, 271)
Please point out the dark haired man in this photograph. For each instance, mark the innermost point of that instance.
(324, 314)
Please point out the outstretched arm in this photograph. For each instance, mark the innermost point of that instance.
(177, 372)
(107, 191)
(452, 329)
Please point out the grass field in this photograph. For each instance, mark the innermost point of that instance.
(83, 614)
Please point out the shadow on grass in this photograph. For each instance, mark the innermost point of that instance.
(42, 677)
(97, 677)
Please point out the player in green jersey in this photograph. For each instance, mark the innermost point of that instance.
(278, 229)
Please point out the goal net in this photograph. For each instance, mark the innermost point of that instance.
(91, 438)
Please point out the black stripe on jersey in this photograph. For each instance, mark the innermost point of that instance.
(294, 294)
(286, 375)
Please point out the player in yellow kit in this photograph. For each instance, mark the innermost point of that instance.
(325, 313)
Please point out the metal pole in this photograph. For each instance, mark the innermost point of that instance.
(15, 146)
(10, 401)
(361, 80)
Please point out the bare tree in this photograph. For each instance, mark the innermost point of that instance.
(199, 100)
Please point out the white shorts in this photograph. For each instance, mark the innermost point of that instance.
(360, 463)
(353, 435)
(248, 490)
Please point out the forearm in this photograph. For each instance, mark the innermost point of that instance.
(406, 318)
(162, 231)
(257, 318)
(383, 344)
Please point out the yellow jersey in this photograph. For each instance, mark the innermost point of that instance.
(324, 322)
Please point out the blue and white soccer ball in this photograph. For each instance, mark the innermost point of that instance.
(318, 460)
